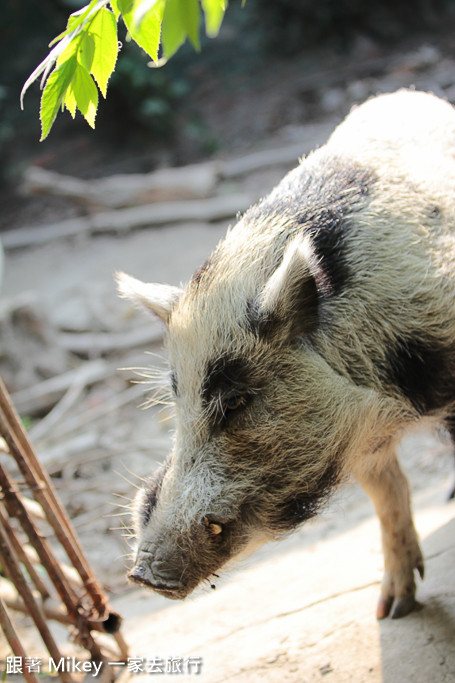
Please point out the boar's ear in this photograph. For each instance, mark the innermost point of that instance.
(160, 299)
(288, 303)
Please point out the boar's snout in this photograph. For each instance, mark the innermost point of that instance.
(183, 537)
(174, 564)
(161, 570)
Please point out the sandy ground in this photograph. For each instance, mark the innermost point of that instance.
(307, 613)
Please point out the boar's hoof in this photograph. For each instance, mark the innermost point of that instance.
(396, 608)
(395, 601)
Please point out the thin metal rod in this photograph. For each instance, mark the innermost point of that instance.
(33, 472)
(34, 609)
(76, 612)
(14, 642)
(16, 508)
(22, 555)
(83, 615)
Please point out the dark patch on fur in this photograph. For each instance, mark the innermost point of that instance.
(304, 505)
(225, 373)
(434, 212)
(228, 378)
(201, 272)
(152, 490)
(423, 373)
(174, 384)
(320, 199)
(256, 322)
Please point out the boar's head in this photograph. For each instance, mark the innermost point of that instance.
(263, 422)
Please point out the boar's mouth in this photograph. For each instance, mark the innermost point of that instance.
(141, 574)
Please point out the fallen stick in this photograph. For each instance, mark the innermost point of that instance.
(55, 458)
(58, 411)
(203, 210)
(169, 184)
(125, 220)
(41, 396)
(81, 421)
(267, 158)
(101, 343)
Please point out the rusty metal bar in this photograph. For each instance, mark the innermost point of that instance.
(86, 612)
(75, 610)
(13, 639)
(33, 472)
(34, 609)
(16, 508)
(22, 555)
(41, 494)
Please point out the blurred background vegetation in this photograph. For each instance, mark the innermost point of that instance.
(165, 107)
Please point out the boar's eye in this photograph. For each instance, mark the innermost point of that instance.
(233, 402)
(225, 405)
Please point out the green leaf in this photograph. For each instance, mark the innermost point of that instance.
(142, 8)
(85, 94)
(70, 101)
(180, 19)
(86, 50)
(191, 17)
(69, 51)
(54, 93)
(103, 32)
(147, 32)
(214, 12)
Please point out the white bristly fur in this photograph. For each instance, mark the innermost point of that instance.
(321, 400)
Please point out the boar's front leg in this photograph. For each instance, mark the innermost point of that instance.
(388, 488)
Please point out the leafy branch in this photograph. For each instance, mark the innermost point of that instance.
(84, 55)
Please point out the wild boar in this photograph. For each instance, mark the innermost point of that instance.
(319, 330)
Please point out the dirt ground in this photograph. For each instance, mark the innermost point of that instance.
(301, 610)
